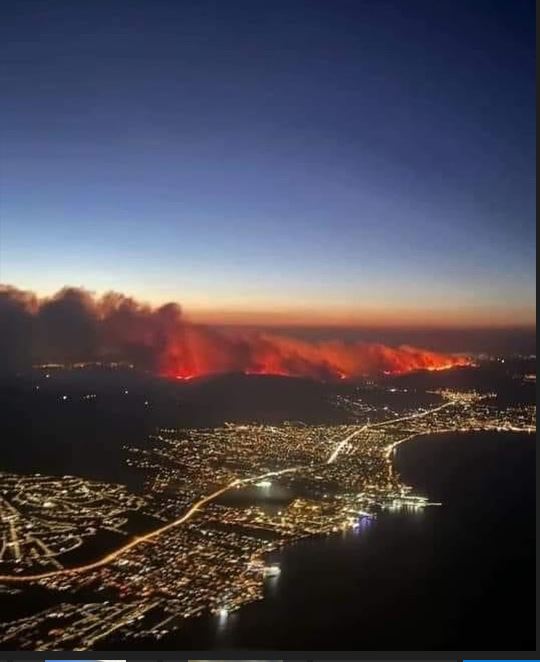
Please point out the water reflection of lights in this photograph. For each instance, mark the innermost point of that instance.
(271, 570)
(271, 585)
(363, 523)
(223, 617)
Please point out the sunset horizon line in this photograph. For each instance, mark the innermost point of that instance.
(369, 318)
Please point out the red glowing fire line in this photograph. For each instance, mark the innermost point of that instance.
(337, 376)
(199, 351)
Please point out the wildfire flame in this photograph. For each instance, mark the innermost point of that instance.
(199, 352)
(74, 325)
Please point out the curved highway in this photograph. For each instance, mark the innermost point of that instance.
(139, 540)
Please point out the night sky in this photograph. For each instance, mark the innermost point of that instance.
(368, 161)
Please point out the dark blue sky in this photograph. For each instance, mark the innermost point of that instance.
(366, 160)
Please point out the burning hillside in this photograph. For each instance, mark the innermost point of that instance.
(74, 325)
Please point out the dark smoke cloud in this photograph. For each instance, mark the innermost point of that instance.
(74, 326)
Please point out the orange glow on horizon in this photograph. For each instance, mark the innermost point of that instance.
(364, 317)
(385, 314)
(199, 351)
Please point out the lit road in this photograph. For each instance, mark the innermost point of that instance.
(66, 572)
(140, 540)
(408, 418)
(343, 443)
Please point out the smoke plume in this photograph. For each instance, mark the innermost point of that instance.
(74, 326)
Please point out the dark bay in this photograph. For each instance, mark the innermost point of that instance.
(455, 577)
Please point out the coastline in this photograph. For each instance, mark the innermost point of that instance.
(380, 558)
